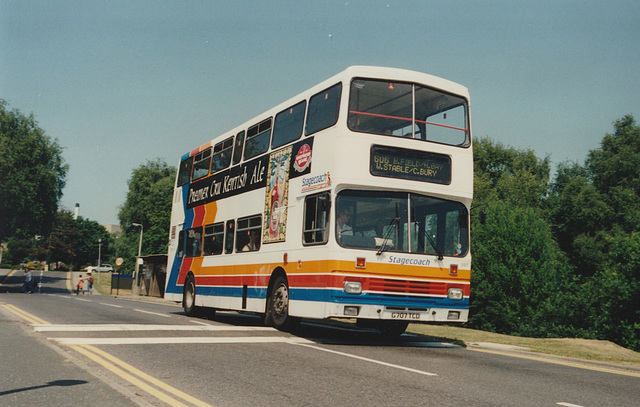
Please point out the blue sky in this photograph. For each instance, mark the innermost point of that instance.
(118, 83)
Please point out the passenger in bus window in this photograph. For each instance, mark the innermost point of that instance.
(254, 241)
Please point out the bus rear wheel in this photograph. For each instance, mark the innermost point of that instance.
(277, 314)
(189, 296)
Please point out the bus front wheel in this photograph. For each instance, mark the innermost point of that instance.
(392, 329)
(277, 314)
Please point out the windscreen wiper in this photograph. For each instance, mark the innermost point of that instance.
(391, 228)
(430, 239)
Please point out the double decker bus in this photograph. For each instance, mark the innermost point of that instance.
(350, 200)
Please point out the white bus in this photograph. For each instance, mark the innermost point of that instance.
(350, 200)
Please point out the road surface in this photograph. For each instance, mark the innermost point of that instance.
(62, 349)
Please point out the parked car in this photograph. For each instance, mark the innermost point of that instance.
(104, 268)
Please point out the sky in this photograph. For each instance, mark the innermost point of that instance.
(119, 83)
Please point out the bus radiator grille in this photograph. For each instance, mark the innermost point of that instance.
(389, 286)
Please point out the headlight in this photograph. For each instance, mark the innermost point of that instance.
(352, 287)
(351, 311)
(455, 294)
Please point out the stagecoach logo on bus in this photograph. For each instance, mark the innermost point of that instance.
(407, 261)
(316, 183)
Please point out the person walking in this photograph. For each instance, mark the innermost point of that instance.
(80, 285)
(89, 284)
(27, 286)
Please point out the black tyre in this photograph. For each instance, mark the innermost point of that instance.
(277, 314)
(189, 296)
(392, 329)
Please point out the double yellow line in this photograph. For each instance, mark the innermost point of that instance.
(32, 319)
(170, 395)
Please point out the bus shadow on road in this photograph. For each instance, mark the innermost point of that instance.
(331, 332)
(335, 332)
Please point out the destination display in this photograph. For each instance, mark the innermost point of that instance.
(414, 165)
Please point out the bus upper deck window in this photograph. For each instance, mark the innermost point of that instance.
(288, 125)
(238, 147)
(408, 110)
(441, 117)
(221, 158)
(184, 173)
(381, 107)
(201, 164)
(323, 109)
(258, 138)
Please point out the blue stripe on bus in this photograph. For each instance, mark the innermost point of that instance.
(252, 292)
(189, 215)
(338, 297)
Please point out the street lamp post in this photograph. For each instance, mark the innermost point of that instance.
(99, 258)
(139, 254)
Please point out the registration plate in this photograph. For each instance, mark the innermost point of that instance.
(406, 315)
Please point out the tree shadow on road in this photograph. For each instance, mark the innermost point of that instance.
(50, 384)
(49, 283)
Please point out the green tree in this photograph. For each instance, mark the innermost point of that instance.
(509, 175)
(63, 239)
(87, 246)
(148, 203)
(615, 168)
(520, 279)
(579, 213)
(612, 294)
(595, 210)
(33, 174)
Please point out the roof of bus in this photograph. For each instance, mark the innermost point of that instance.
(366, 71)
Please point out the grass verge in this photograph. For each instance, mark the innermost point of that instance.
(104, 286)
(589, 349)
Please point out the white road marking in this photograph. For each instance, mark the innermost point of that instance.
(181, 340)
(82, 299)
(568, 404)
(111, 305)
(153, 313)
(379, 362)
(141, 327)
(201, 323)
